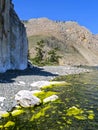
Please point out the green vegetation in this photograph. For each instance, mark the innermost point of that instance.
(43, 58)
(44, 94)
(53, 56)
(40, 114)
(9, 124)
(17, 112)
(38, 59)
(5, 115)
(56, 84)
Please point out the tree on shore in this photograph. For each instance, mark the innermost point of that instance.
(50, 58)
(39, 52)
(53, 56)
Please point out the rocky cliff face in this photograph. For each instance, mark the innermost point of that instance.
(13, 41)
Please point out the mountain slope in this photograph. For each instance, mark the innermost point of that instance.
(77, 45)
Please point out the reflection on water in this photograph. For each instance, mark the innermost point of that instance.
(76, 109)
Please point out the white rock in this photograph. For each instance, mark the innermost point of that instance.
(51, 98)
(2, 99)
(21, 83)
(2, 104)
(2, 112)
(35, 91)
(23, 94)
(56, 82)
(40, 84)
(26, 99)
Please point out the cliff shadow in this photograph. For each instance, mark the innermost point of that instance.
(10, 75)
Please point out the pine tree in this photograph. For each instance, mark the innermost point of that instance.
(53, 56)
(39, 52)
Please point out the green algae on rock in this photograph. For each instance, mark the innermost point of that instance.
(81, 117)
(41, 113)
(9, 124)
(76, 113)
(80, 114)
(91, 115)
(4, 114)
(1, 127)
(56, 83)
(44, 94)
(73, 111)
(17, 112)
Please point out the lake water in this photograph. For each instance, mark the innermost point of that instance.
(76, 109)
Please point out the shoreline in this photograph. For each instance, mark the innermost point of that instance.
(13, 81)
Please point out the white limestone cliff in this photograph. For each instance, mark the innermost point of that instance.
(13, 40)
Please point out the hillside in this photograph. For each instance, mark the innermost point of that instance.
(77, 45)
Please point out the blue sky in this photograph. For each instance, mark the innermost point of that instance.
(85, 12)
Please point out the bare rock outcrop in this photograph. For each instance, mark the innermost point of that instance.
(77, 45)
(13, 41)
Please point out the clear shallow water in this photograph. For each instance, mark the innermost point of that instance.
(76, 109)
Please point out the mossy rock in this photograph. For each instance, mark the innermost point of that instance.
(42, 95)
(17, 112)
(73, 111)
(9, 124)
(4, 114)
(41, 113)
(91, 114)
(56, 84)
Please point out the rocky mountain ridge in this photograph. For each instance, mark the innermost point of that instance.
(76, 43)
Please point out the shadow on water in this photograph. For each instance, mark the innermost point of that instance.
(9, 75)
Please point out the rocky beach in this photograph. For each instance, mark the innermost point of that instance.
(13, 81)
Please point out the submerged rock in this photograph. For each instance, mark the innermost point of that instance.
(25, 98)
(73, 111)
